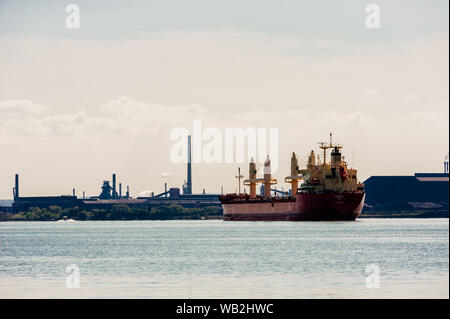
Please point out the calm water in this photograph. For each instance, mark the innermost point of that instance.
(215, 259)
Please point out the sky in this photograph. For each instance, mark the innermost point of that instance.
(77, 105)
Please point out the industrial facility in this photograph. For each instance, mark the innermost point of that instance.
(426, 193)
(389, 195)
(111, 195)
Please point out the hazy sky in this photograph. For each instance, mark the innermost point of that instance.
(77, 105)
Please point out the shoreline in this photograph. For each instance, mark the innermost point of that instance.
(220, 218)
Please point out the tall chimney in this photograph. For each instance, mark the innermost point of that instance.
(165, 189)
(114, 195)
(189, 167)
(73, 192)
(16, 188)
(252, 178)
(128, 191)
(120, 190)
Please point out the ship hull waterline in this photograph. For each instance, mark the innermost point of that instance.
(305, 207)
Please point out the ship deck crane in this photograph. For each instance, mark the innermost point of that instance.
(295, 177)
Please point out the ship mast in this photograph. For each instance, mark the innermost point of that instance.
(324, 146)
(239, 176)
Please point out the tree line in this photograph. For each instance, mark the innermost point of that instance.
(116, 212)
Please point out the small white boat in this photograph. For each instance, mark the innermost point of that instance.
(65, 219)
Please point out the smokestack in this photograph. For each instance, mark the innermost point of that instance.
(165, 189)
(128, 191)
(114, 186)
(16, 188)
(120, 190)
(252, 178)
(446, 163)
(189, 168)
(84, 194)
(73, 192)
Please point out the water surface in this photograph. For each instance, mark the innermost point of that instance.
(216, 259)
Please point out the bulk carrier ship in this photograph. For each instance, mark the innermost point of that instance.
(328, 191)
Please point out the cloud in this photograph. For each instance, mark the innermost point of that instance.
(11, 129)
(113, 103)
(20, 107)
(409, 98)
(370, 92)
(119, 116)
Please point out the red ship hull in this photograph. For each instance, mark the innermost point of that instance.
(328, 206)
(258, 211)
(305, 207)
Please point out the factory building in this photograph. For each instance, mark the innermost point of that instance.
(422, 192)
(110, 196)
